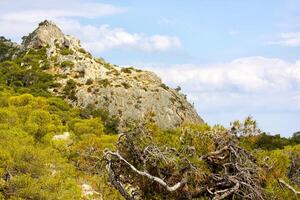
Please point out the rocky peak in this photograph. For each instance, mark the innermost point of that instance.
(127, 93)
(46, 34)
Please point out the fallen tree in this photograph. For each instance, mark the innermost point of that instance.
(158, 171)
(200, 162)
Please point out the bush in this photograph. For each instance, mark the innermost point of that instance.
(25, 74)
(86, 152)
(164, 86)
(126, 70)
(100, 60)
(111, 123)
(87, 127)
(70, 89)
(104, 82)
(66, 51)
(22, 100)
(66, 64)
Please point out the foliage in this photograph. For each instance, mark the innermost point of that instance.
(296, 138)
(7, 50)
(66, 64)
(35, 166)
(66, 51)
(92, 126)
(111, 123)
(70, 89)
(104, 82)
(126, 70)
(28, 169)
(164, 86)
(26, 73)
(199, 161)
(48, 148)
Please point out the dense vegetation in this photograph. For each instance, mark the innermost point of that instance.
(204, 162)
(35, 164)
(25, 74)
(50, 150)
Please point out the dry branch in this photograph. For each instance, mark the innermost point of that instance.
(289, 187)
(147, 175)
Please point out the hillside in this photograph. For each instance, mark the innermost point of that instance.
(61, 111)
(126, 93)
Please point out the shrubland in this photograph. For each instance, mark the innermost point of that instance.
(50, 149)
(203, 162)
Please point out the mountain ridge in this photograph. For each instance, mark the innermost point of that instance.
(126, 93)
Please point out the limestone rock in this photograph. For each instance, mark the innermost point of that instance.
(46, 34)
(127, 93)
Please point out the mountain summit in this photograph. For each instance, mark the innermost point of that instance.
(126, 93)
(45, 34)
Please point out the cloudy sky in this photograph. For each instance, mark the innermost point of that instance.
(232, 58)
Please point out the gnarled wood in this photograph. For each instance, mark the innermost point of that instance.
(147, 175)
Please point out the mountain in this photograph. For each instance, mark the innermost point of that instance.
(52, 150)
(126, 93)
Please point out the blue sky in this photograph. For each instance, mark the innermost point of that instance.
(232, 58)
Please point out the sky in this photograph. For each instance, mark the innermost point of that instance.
(232, 58)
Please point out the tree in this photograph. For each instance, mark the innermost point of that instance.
(182, 172)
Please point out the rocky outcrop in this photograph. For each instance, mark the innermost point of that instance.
(8, 49)
(125, 92)
(46, 34)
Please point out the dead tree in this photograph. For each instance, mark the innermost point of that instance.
(163, 171)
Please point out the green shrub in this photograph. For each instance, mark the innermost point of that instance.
(104, 82)
(28, 78)
(126, 70)
(92, 126)
(66, 64)
(108, 66)
(164, 86)
(69, 89)
(21, 100)
(66, 51)
(100, 60)
(82, 50)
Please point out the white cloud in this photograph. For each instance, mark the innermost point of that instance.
(104, 37)
(18, 18)
(246, 85)
(17, 21)
(266, 88)
(251, 74)
(291, 39)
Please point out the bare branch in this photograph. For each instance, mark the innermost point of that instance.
(289, 186)
(116, 183)
(226, 193)
(145, 174)
(215, 153)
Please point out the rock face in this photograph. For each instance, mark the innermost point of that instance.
(127, 93)
(44, 35)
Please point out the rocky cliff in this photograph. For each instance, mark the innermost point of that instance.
(127, 93)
